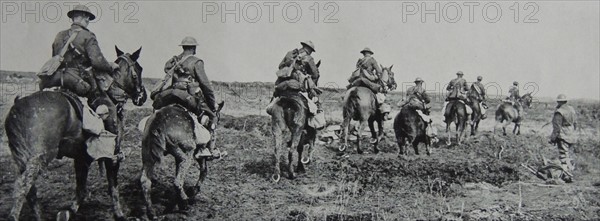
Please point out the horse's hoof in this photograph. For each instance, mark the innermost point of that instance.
(343, 148)
(359, 151)
(305, 160)
(375, 151)
(275, 178)
(183, 205)
(64, 215)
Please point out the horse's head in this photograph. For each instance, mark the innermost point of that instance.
(387, 77)
(526, 100)
(129, 76)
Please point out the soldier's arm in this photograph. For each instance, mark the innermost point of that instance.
(170, 64)
(450, 85)
(465, 85)
(95, 55)
(425, 97)
(288, 58)
(209, 95)
(482, 89)
(377, 67)
(556, 126)
(313, 70)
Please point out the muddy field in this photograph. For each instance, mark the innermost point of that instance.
(480, 180)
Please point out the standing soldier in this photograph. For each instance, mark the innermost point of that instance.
(564, 124)
(191, 88)
(456, 91)
(477, 93)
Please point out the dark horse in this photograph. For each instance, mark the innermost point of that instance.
(476, 115)
(44, 126)
(170, 130)
(360, 104)
(507, 113)
(411, 129)
(291, 112)
(456, 112)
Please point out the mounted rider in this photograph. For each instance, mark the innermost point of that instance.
(564, 124)
(186, 84)
(417, 98)
(299, 72)
(81, 61)
(477, 93)
(457, 89)
(514, 97)
(369, 74)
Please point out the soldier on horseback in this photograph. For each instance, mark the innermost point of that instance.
(417, 98)
(190, 88)
(457, 89)
(368, 74)
(82, 61)
(514, 97)
(299, 72)
(477, 93)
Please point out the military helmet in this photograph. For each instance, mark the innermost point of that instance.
(515, 83)
(188, 41)
(561, 97)
(102, 109)
(418, 80)
(81, 8)
(308, 44)
(366, 50)
(479, 78)
(459, 73)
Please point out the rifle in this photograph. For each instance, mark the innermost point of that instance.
(169, 75)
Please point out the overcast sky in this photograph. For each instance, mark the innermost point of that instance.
(559, 51)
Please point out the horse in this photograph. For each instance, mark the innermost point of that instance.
(44, 126)
(457, 113)
(410, 128)
(526, 100)
(360, 104)
(507, 113)
(476, 115)
(170, 130)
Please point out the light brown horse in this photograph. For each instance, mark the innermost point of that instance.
(44, 125)
(360, 104)
(170, 130)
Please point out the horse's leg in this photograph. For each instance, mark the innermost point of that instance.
(379, 135)
(183, 162)
(345, 127)
(278, 138)
(23, 185)
(33, 202)
(311, 136)
(373, 131)
(449, 140)
(415, 145)
(203, 173)
(296, 135)
(82, 167)
(146, 181)
(300, 167)
(112, 169)
(358, 138)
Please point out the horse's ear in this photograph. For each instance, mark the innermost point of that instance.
(319, 63)
(391, 67)
(119, 52)
(382, 67)
(136, 54)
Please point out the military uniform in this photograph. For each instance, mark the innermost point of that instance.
(564, 124)
(306, 64)
(456, 91)
(417, 97)
(80, 62)
(513, 93)
(477, 93)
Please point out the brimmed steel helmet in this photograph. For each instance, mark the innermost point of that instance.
(366, 50)
(188, 41)
(561, 97)
(81, 8)
(418, 80)
(308, 44)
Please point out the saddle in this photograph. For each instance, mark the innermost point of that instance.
(75, 102)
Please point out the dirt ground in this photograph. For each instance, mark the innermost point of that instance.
(480, 180)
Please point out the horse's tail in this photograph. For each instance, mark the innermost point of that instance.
(351, 103)
(153, 141)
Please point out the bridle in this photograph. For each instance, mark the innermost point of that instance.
(120, 94)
